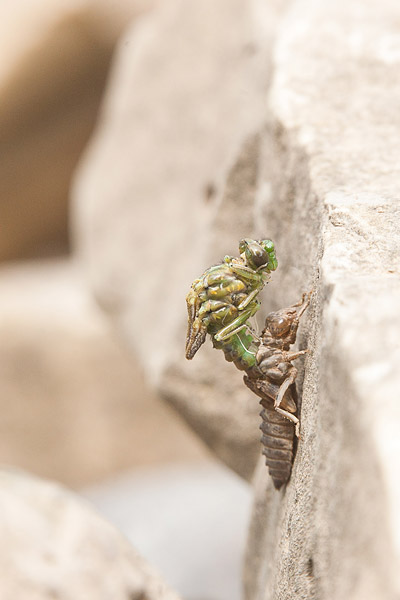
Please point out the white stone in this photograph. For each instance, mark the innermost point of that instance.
(55, 546)
(335, 533)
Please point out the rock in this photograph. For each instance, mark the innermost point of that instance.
(333, 140)
(167, 188)
(74, 405)
(318, 172)
(56, 546)
(55, 60)
(195, 500)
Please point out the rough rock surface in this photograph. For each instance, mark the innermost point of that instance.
(318, 171)
(334, 137)
(73, 402)
(54, 60)
(168, 186)
(55, 546)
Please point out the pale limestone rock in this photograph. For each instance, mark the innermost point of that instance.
(168, 187)
(73, 403)
(55, 546)
(322, 180)
(334, 134)
(54, 60)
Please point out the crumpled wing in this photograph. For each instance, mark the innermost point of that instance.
(196, 331)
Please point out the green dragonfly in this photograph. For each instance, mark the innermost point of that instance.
(224, 298)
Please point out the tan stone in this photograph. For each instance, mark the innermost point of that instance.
(74, 405)
(317, 171)
(167, 187)
(54, 63)
(56, 546)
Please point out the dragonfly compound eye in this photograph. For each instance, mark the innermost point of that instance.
(256, 255)
(269, 247)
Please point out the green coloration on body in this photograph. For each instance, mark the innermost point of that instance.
(224, 298)
(241, 349)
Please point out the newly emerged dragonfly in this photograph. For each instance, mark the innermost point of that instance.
(224, 298)
(220, 303)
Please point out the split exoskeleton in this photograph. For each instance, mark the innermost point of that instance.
(275, 385)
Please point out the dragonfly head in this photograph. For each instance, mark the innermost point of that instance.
(259, 255)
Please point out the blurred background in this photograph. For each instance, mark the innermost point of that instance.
(75, 406)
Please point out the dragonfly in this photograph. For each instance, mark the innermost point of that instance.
(220, 303)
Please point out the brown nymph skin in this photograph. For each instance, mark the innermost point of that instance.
(273, 380)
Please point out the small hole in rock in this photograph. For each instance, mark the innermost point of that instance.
(310, 567)
(209, 192)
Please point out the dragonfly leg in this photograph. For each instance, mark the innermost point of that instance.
(249, 299)
(236, 325)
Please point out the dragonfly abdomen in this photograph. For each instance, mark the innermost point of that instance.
(241, 349)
